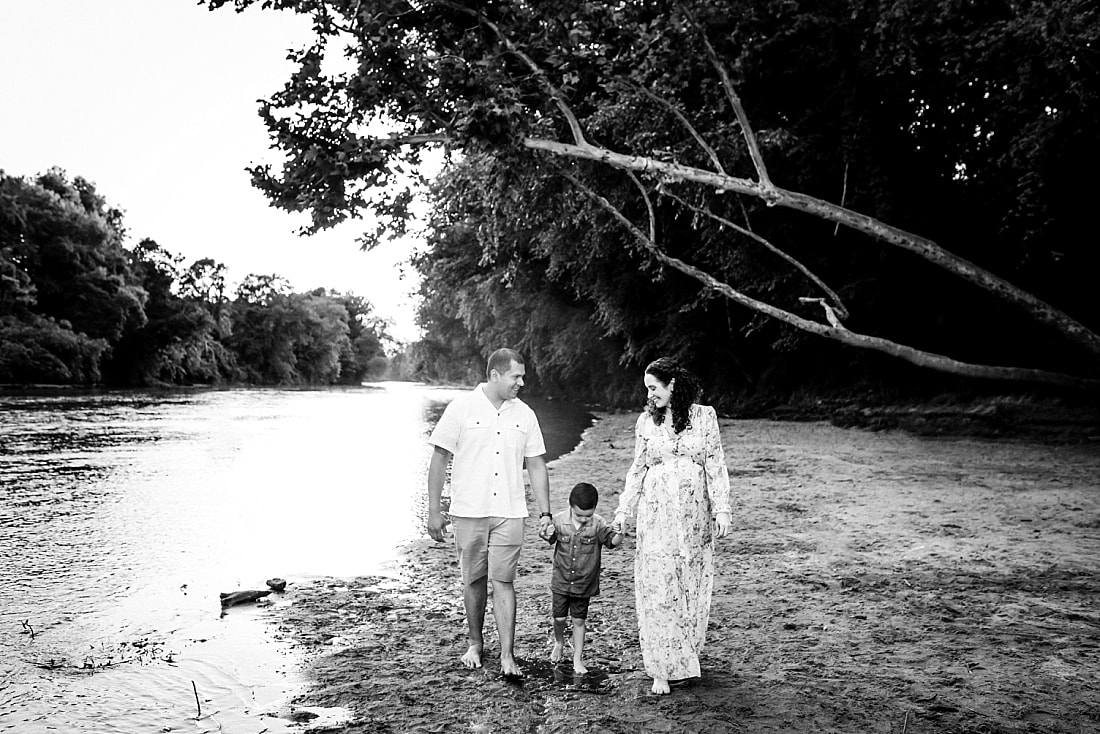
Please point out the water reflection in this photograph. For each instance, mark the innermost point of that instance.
(123, 515)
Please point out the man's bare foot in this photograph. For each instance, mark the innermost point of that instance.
(579, 669)
(509, 667)
(472, 658)
(556, 653)
(660, 687)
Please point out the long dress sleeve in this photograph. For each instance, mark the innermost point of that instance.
(714, 464)
(628, 500)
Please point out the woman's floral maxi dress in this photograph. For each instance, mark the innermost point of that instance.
(674, 485)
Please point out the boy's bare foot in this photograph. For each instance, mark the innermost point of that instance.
(472, 658)
(556, 652)
(660, 687)
(509, 667)
(579, 669)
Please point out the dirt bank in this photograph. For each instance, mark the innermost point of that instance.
(874, 582)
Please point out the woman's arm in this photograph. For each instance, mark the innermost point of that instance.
(628, 500)
(714, 464)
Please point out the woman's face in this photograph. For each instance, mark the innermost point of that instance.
(657, 392)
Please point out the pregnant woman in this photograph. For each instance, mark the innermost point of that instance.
(678, 491)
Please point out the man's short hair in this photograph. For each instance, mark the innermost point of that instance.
(584, 496)
(501, 360)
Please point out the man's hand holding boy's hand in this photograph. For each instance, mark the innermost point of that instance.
(546, 532)
(546, 526)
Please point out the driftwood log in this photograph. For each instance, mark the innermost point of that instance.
(230, 598)
(242, 597)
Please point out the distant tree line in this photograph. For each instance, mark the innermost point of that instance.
(78, 307)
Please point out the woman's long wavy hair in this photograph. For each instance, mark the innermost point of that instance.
(683, 395)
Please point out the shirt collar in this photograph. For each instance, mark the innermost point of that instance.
(503, 406)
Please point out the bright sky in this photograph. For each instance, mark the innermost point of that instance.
(155, 102)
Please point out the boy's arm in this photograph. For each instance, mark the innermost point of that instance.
(609, 537)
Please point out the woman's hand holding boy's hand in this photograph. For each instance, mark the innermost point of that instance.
(619, 524)
(722, 521)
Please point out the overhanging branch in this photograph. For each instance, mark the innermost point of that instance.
(839, 333)
(1038, 309)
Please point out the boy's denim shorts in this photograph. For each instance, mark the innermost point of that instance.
(569, 606)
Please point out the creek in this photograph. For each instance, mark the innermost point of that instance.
(124, 515)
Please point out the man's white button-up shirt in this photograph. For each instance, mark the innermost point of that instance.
(489, 446)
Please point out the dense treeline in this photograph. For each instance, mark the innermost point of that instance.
(77, 307)
(972, 124)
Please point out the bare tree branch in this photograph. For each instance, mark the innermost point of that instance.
(738, 108)
(415, 139)
(687, 124)
(841, 310)
(1038, 309)
(648, 206)
(830, 314)
(843, 197)
(838, 332)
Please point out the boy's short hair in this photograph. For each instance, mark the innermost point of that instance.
(584, 496)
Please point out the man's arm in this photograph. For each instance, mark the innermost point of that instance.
(437, 473)
(540, 487)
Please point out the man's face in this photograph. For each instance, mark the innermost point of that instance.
(507, 385)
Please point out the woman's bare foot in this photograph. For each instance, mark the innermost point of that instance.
(556, 652)
(579, 669)
(509, 667)
(472, 658)
(660, 687)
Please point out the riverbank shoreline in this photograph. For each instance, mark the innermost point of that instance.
(874, 581)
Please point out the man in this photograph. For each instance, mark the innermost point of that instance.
(489, 432)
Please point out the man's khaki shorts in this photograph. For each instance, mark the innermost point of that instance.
(488, 546)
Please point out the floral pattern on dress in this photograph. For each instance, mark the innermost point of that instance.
(673, 488)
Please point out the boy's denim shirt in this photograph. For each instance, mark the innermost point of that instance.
(577, 555)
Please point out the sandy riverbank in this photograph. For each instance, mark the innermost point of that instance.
(874, 582)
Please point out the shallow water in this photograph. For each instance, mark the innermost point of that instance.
(123, 515)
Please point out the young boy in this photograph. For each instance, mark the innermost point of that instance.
(579, 534)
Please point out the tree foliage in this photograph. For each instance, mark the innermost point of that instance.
(78, 307)
(635, 160)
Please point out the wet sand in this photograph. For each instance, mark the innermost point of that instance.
(873, 582)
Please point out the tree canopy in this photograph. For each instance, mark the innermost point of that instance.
(899, 176)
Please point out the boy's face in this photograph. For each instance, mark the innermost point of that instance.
(582, 518)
